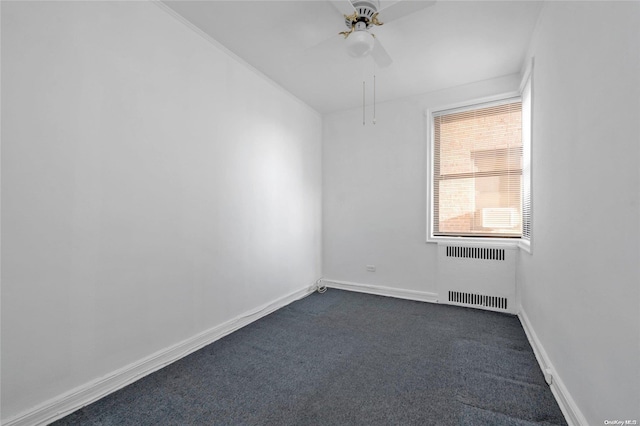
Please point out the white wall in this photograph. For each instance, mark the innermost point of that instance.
(152, 187)
(580, 288)
(374, 190)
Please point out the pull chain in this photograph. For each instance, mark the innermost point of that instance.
(374, 99)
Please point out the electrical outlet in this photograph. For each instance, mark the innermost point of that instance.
(371, 268)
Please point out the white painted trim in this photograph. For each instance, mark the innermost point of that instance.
(429, 161)
(525, 245)
(467, 106)
(400, 293)
(502, 243)
(572, 413)
(65, 404)
(515, 94)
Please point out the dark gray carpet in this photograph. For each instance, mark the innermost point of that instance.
(343, 358)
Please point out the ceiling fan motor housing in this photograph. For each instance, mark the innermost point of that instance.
(365, 9)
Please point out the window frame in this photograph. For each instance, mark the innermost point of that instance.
(526, 244)
(429, 114)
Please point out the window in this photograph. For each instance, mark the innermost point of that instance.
(480, 171)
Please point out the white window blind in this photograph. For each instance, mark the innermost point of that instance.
(526, 161)
(477, 165)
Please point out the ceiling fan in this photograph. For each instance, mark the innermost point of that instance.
(360, 16)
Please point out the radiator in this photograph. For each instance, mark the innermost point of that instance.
(478, 277)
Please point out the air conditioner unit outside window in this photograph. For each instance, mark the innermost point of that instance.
(499, 217)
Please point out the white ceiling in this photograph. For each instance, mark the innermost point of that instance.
(296, 44)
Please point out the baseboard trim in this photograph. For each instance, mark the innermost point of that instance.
(81, 396)
(572, 413)
(400, 293)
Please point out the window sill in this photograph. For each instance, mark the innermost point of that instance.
(525, 245)
(509, 243)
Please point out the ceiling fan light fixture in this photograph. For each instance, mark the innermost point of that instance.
(359, 44)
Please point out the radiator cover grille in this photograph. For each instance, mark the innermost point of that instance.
(475, 253)
(478, 300)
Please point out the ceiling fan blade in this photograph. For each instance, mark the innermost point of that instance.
(322, 39)
(343, 6)
(390, 10)
(380, 55)
(328, 53)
